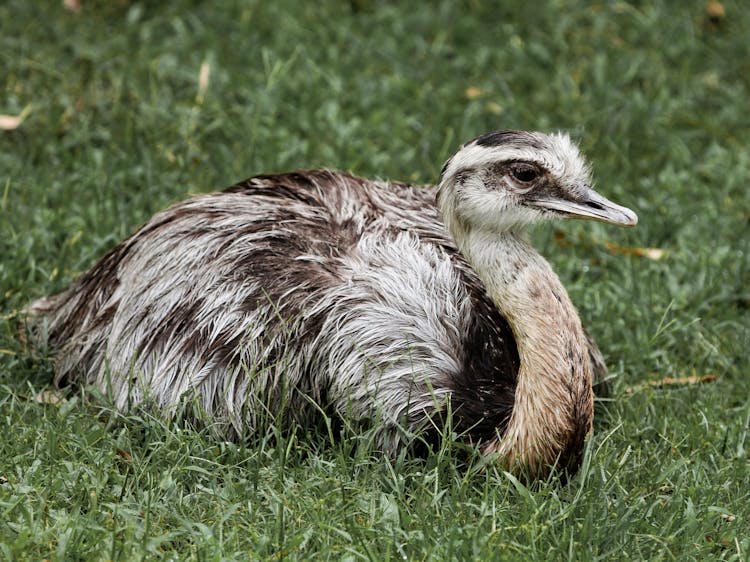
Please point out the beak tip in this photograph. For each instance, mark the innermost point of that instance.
(631, 219)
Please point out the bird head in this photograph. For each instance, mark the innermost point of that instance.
(506, 180)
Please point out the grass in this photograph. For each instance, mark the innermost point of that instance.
(656, 92)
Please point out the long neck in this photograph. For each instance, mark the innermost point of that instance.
(553, 405)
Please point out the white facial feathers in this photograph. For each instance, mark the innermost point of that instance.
(555, 153)
(471, 195)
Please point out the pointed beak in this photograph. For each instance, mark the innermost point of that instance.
(590, 206)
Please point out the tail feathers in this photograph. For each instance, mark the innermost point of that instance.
(40, 307)
(34, 318)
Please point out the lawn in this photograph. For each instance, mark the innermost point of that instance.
(130, 106)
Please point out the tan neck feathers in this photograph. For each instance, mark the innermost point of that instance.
(553, 407)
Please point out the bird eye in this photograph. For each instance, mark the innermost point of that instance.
(525, 173)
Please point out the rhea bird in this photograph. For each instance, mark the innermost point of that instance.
(378, 302)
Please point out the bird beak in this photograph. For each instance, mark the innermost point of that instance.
(590, 206)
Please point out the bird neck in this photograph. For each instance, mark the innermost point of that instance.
(553, 403)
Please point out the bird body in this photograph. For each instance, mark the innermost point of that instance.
(318, 291)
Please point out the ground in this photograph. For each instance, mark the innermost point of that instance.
(129, 106)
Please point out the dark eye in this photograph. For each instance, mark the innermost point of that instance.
(525, 174)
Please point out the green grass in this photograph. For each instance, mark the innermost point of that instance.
(656, 93)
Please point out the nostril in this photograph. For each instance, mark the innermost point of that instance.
(595, 205)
